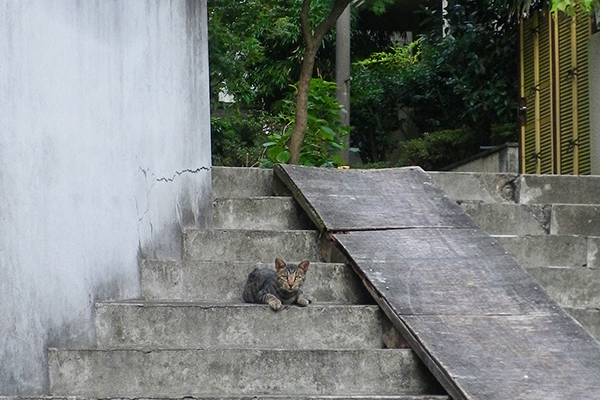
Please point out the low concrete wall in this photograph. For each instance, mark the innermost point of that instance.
(104, 156)
(503, 158)
(594, 76)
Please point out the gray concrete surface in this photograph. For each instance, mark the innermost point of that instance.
(467, 186)
(588, 317)
(523, 189)
(246, 397)
(570, 287)
(568, 219)
(553, 250)
(247, 245)
(213, 281)
(503, 158)
(565, 189)
(191, 325)
(535, 219)
(233, 182)
(259, 213)
(104, 156)
(171, 373)
(509, 219)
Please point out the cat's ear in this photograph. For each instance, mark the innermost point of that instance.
(304, 265)
(279, 264)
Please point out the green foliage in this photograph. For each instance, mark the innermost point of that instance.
(570, 6)
(504, 133)
(466, 79)
(256, 48)
(379, 6)
(375, 95)
(237, 136)
(323, 134)
(438, 149)
(399, 56)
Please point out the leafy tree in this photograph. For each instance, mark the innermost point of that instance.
(254, 51)
(313, 36)
(323, 134)
(569, 6)
(465, 79)
(255, 56)
(257, 53)
(313, 32)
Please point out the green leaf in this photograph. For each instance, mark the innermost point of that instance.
(283, 157)
(329, 133)
(274, 151)
(337, 145)
(337, 160)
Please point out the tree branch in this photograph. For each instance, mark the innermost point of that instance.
(329, 21)
(304, 21)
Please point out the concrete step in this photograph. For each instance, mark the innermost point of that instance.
(250, 245)
(523, 189)
(553, 250)
(192, 325)
(565, 189)
(588, 317)
(566, 266)
(570, 287)
(247, 397)
(477, 186)
(536, 219)
(259, 213)
(509, 219)
(237, 372)
(223, 281)
(234, 182)
(568, 219)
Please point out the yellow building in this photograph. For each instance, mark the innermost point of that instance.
(555, 135)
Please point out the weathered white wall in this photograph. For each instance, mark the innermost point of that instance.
(104, 156)
(594, 74)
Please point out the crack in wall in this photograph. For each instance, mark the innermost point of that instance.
(179, 173)
(163, 179)
(151, 181)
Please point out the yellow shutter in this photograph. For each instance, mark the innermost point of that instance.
(554, 82)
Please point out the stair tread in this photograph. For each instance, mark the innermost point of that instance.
(206, 304)
(223, 281)
(251, 326)
(157, 372)
(246, 397)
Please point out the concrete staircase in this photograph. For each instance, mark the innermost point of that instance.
(191, 336)
(551, 224)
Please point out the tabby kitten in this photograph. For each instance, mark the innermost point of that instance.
(277, 287)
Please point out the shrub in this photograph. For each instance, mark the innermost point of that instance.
(438, 149)
(237, 136)
(324, 133)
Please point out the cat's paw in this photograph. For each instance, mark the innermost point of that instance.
(275, 304)
(303, 301)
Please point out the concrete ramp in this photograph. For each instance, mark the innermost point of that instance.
(480, 323)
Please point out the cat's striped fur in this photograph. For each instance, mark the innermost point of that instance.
(278, 286)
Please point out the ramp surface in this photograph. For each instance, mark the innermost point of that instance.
(480, 323)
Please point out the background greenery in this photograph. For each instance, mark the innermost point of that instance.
(459, 88)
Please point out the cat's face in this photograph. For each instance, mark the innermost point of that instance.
(290, 278)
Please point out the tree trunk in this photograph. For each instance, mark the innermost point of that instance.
(313, 42)
(301, 119)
